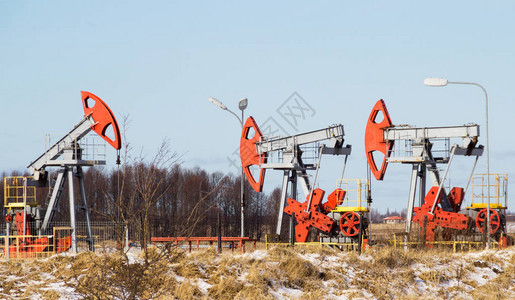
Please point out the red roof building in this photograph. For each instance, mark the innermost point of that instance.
(393, 220)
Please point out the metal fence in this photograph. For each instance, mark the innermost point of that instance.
(106, 236)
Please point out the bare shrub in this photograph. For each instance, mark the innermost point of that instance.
(107, 276)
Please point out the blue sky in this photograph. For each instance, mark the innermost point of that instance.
(159, 61)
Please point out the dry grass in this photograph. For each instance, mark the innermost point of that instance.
(253, 292)
(257, 282)
(226, 287)
(432, 276)
(297, 272)
(384, 232)
(187, 290)
(390, 257)
(500, 286)
(492, 291)
(108, 276)
(314, 272)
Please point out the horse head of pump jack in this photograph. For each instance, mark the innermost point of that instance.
(249, 155)
(374, 138)
(103, 117)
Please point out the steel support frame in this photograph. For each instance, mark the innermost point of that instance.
(446, 205)
(424, 162)
(294, 171)
(66, 172)
(284, 191)
(420, 170)
(411, 197)
(84, 206)
(290, 176)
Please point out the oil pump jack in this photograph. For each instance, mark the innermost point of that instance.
(437, 208)
(66, 154)
(256, 151)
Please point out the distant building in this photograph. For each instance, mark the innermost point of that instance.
(393, 220)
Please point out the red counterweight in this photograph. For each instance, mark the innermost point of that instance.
(439, 218)
(312, 217)
(333, 200)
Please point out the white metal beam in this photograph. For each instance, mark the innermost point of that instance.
(334, 133)
(414, 133)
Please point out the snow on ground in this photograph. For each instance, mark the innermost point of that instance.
(283, 292)
(202, 285)
(256, 255)
(317, 274)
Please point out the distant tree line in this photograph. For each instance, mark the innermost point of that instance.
(159, 197)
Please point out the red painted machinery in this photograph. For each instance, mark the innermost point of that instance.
(23, 211)
(25, 245)
(333, 222)
(437, 208)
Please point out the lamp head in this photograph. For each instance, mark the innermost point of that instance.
(243, 103)
(217, 103)
(435, 81)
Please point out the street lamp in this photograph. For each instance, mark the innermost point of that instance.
(444, 82)
(242, 105)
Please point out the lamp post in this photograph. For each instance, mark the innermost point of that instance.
(242, 105)
(444, 82)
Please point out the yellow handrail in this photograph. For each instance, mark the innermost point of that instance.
(17, 193)
(356, 195)
(498, 191)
